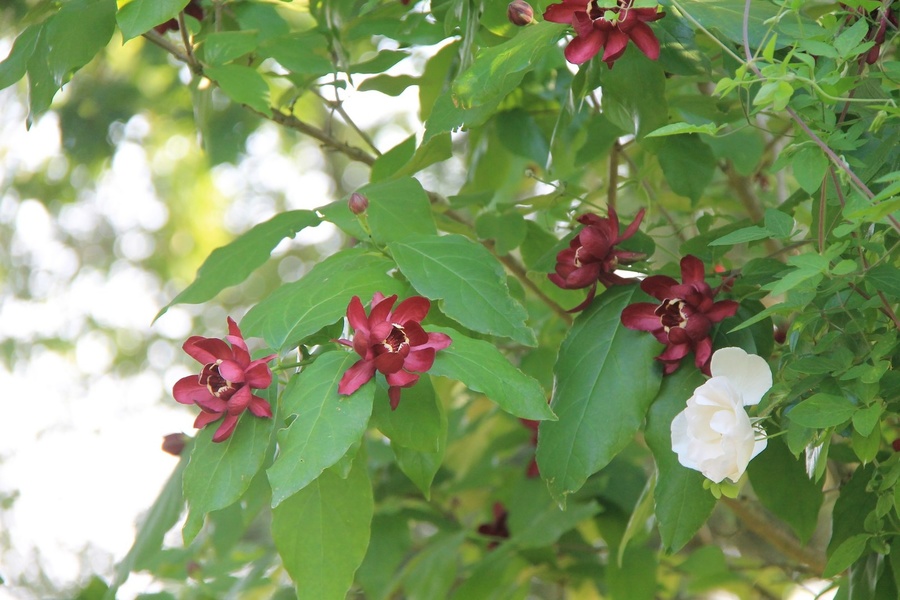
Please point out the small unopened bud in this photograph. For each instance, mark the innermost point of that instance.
(174, 443)
(896, 445)
(358, 203)
(519, 13)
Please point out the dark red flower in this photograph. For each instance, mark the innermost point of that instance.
(223, 387)
(392, 343)
(174, 443)
(592, 255)
(684, 317)
(532, 470)
(496, 529)
(193, 9)
(607, 28)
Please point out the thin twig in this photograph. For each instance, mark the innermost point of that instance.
(613, 177)
(761, 525)
(188, 46)
(165, 44)
(292, 122)
(835, 159)
(339, 107)
(654, 202)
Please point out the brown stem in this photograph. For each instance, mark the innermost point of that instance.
(195, 66)
(835, 159)
(753, 517)
(613, 177)
(292, 122)
(162, 42)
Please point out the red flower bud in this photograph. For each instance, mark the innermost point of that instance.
(896, 445)
(174, 443)
(358, 203)
(520, 13)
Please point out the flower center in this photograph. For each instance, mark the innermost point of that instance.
(577, 259)
(671, 314)
(217, 385)
(612, 15)
(395, 339)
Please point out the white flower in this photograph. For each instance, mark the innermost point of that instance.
(714, 434)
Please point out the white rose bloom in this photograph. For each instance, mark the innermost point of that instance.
(714, 434)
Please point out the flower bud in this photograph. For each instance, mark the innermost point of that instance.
(358, 203)
(174, 443)
(519, 13)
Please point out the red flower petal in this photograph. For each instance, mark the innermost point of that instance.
(226, 428)
(437, 341)
(703, 355)
(563, 13)
(356, 315)
(583, 48)
(615, 45)
(357, 375)
(659, 286)
(632, 229)
(394, 396)
(721, 310)
(260, 407)
(239, 401)
(645, 40)
(207, 350)
(641, 316)
(419, 360)
(692, 270)
(188, 390)
(205, 418)
(414, 308)
(389, 362)
(415, 333)
(402, 378)
(381, 311)
(231, 371)
(258, 374)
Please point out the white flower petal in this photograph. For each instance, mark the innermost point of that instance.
(749, 374)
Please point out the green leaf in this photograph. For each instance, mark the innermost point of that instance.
(778, 223)
(634, 97)
(680, 128)
(233, 263)
(885, 278)
(781, 483)
(520, 134)
(42, 84)
(535, 520)
(822, 410)
(398, 209)
(421, 466)
(687, 163)
(159, 519)
(507, 230)
(850, 38)
(416, 423)
(483, 368)
(219, 473)
(326, 426)
(682, 503)
(303, 307)
(727, 16)
(393, 160)
(431, 572)
(242, 84)
(598, 399)
(468, 278)
(322, 532)
(741, 236)
(386, 553)
(865, 419)
(498, 70)
(384, 60)
(390, 85)
(846, 554)
(809, 165)
(301, 53)
(139, 16)
(80, 30)
(14, 66)
(224, 46)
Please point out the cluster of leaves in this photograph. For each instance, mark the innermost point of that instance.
(763, 141)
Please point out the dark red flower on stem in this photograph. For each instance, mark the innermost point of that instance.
(683, 319)
(391, 342)
(223, 388)
(606, 28)
(592, 255)
(498, 528)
